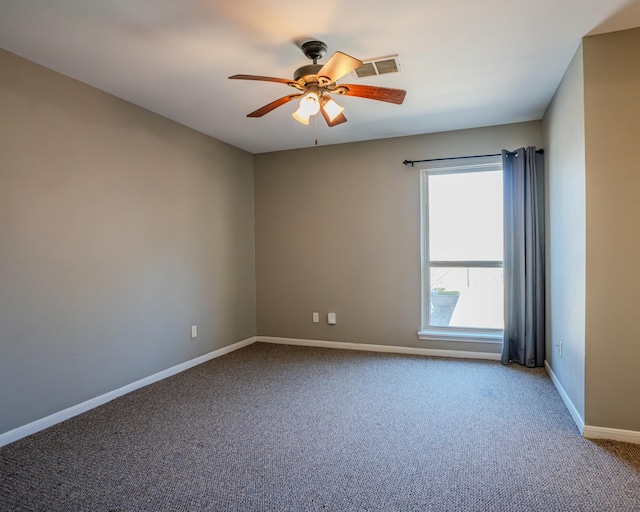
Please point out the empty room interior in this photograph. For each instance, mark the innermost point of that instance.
(218, 293)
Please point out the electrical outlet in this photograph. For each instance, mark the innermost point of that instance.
(316, 317)
(559, 347)
(194, 331)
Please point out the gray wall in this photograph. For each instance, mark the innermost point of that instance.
(338, 229)
(119, 230)
(591, 130)
(564, 142)
(612, 121)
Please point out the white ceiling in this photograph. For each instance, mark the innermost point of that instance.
(465, 63)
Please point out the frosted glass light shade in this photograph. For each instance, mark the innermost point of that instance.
(309, 106)
(332, 109)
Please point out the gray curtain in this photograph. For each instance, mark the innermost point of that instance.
(523, 177)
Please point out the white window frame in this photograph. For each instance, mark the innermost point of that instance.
(428, 332)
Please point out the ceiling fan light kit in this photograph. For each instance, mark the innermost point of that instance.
(317, 81)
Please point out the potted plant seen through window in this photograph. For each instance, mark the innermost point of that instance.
(443, 304)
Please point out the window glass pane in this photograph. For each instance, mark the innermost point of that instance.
(465, 216)
(466, 297)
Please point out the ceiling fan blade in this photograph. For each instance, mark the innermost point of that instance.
(372, 92)
(339, 119)
(261, 78)
(336, 67)
(273, 105)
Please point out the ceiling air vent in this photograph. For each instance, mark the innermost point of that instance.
(379, 66)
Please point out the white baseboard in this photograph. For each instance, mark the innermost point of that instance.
(565, 398)
(587, 431)
(380, 348)
(70, 412)
(590, 431)
(615, 434)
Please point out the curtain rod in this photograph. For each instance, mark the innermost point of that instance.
(407, 162)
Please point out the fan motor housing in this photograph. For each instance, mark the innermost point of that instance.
(307, 73)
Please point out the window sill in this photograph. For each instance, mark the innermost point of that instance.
(471, 336)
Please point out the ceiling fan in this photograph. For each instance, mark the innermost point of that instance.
(316, 83)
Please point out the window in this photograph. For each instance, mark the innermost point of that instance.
(462, 246)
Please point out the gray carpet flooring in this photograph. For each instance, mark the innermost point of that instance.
(283, 428)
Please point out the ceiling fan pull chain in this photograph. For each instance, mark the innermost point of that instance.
(316, 130)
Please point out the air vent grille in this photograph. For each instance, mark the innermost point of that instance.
(367, 69)
(387, 66)
(379, 66)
